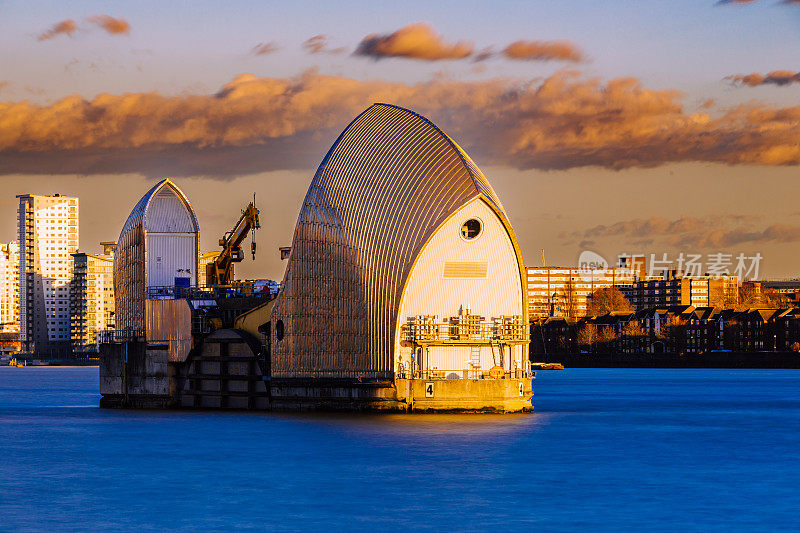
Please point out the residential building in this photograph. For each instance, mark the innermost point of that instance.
(563, 291)
(675, 289)
(48, 234)
(684, 329)
(91, 298)
(9, 287)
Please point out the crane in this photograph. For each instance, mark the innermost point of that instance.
(220, 271)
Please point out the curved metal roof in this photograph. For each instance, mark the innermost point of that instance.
(390, 180)
(139, 212)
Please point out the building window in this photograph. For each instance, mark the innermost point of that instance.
(471, 229)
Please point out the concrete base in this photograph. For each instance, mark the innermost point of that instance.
(405, 395)
(334, 395)
(466, 395)
(226, 373)
(136, 375)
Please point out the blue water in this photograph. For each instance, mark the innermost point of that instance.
(656, 450)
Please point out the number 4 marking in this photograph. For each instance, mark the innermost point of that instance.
(521, 389)
(429, 390)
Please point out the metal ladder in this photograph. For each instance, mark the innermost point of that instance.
(474, 360)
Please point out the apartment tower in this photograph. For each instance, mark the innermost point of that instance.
(9, 287)
(91, 298)
(48, 235)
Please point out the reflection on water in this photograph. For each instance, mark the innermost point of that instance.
(411, 424)
(605, 450)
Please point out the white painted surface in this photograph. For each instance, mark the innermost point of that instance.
(170, 256)
(429, 292)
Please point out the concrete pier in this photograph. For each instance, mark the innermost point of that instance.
(226, 373)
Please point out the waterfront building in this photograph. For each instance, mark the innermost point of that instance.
(403, 263)
(564, 291)
(91, 298)
(9, 287)
(156, 255)
(675, 289)
(678, 329)
(9, 298)
(48, 234)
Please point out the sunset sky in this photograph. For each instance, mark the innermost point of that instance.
(615, 126)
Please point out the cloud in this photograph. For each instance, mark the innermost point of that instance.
(415, 41)
(65, 27)
(543, 51)
(776, 77)
(714, 231)
(113, 26)
(483, 55)
(265, 48)
(318, 44)
(257, 124)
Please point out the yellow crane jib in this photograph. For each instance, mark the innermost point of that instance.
(220, 271)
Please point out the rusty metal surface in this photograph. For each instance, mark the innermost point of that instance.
(390, 180)
(170, 322)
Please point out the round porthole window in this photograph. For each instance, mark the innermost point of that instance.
(471, 229)
(279, 330)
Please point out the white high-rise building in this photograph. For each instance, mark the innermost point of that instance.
(9, 287)
(48, 234)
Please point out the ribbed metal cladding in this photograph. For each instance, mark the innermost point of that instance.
(164, 207)
(388, 182)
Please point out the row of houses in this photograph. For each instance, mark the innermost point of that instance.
(670, 329)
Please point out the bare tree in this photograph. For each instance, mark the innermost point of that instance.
(720, 296)
(749, 296)
(587, 336)
(633, 329)
(774, 298)
(606, 335)
(607, 300)
(565, 300)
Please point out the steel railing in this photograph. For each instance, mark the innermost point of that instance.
(465, 329)
(203, 293)
(108, 336)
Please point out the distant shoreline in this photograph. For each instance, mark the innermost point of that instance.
(752, 360)
(38, 363)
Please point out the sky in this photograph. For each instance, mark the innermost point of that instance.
(618, 127)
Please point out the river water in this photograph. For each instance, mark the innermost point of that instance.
(606, 450)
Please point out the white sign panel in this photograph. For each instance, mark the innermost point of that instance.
(429, 389)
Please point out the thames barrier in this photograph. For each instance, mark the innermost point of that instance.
(404, 290)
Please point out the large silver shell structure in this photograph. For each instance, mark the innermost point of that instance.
(156, 252)
(387, 184)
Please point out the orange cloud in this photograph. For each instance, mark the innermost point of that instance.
(65, 27)
(415, 41)
(776, 77)
(113, 26)
(718, 231)
(265, 48)
(255, 124)
(544, 51)
(318, 44)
